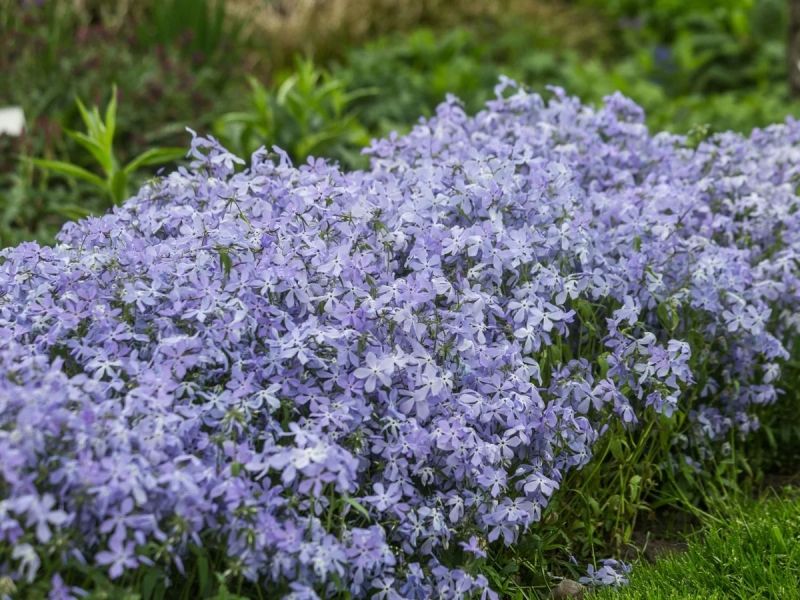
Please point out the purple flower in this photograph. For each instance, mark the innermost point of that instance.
(377, 369)
(612, 572)
(473, 546)
(120, 556)
(39, 512)
(383, 497)
(61, 591)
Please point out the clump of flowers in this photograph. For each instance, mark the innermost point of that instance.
(611, 572)
(358, 381)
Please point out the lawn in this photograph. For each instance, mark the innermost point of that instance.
(748, 550)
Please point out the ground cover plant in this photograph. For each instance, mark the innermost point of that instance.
(409, 381)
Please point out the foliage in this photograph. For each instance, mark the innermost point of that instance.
(54, 54)
(199, 26)
(328, 29)
(178, 66)
(306, 113)
(420, 379)
(681, 84)
(748, 551)
(98, 142)
(704, 47)
(53, 57)
(413, 73)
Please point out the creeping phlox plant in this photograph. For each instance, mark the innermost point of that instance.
(356, 382)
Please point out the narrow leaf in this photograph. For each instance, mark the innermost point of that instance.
(154, 156)
(69, 170)
(73, 212)
(94, 147)
(119, 187)
(111, 117)
(356, 505)
(87, 118)
(225, 260)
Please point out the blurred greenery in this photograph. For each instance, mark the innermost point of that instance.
(696, 64)
(200, 27)
(190, 63)
(55, 54)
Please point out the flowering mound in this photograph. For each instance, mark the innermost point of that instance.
(355, 381)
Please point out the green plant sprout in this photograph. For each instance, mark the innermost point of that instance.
(98, 141)
(308, 114)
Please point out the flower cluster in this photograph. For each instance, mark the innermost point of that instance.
(347, 381)
(612, 572)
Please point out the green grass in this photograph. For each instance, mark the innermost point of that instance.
(751, 551)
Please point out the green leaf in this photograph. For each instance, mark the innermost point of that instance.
(223, 593)
(154, 156)
(285, 89)
(88, 119)
(235, 118)
(584, 309)
(777, 537)
(358, 507)
(308, 144)
(635, 485)
(69, 170)
(602, 360)
(100, 153)
(73, 212)
(118, 187)
(619, 449)
(556, 354)
(111, 117)
(668, 315)
(360, 93)
(149, 584)
(202, 574)
(225, 260)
